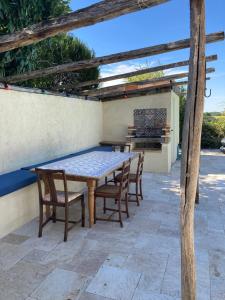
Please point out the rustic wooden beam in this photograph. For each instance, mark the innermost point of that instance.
(147, 91)
(102, 91)
(135, 93)
(143, 91)
(109, 59)
(191, 142)
(138, 72)
(99, 12)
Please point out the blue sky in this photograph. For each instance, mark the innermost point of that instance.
(160, 24)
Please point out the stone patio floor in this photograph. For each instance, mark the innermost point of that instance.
(139, 262)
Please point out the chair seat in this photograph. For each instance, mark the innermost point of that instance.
(132, 177)
(61, 196)
(107, 191)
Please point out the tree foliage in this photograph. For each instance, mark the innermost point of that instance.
(213, 127)
(145, 76)
(17, 14)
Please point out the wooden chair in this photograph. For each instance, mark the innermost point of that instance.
(118, 193)
(54, 198)
(136, 179)
(117, 148)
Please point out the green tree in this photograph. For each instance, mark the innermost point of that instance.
(59, 50)
(15, 15)
(146, 76)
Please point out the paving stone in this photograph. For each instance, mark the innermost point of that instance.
(116, 260)
(89, 296)
(11, 254)
(141, 260)
(14, 239)
(20, 281)
(114, 283)
(143, 295)
(29, 229)
(147, 264)
(43, 243)
(59, 285)
(36, 256)
(89, 263)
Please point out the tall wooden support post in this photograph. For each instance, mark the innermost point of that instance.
(191, 147)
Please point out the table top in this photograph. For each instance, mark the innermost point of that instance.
(96, 164)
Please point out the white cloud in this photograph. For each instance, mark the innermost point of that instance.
(117, 69)
(174, 71)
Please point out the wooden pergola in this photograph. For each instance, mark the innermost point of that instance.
(191, 141)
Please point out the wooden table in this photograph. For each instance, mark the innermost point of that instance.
(90, 168)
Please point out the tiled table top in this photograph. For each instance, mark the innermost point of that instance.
(95, 164)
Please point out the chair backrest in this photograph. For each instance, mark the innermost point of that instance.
(49, 176)
(140, 165)
(121, 148)
(125, 178)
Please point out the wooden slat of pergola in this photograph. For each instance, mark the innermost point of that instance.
(135, 73)
(108, 59)
(99, 12)
(155, 89)
(114, 88)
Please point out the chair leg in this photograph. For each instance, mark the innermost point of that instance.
(126, 203)
(140, 182)
(40, 221)
(137, 198)
(104, 207)
(66, 224)
(95, 210)
(82, 211)
(119, 211)
(114, 178)
(54, 214)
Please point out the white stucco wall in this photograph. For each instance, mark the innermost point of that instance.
(36, 127)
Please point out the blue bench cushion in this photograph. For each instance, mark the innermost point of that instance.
(16, 180)
(10, 182)
(97, 148)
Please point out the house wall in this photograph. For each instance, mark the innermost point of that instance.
(118, 114)
(18, 208)
(37, 127)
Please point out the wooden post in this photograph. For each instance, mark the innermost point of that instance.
(191, 147)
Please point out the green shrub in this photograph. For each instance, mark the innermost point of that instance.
(212, 133)
(213, 127)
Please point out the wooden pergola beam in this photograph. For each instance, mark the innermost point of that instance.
(102, 91)
(184, 63)
(99, 12)
(144, 91)
(191, 143)
(109, 59)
